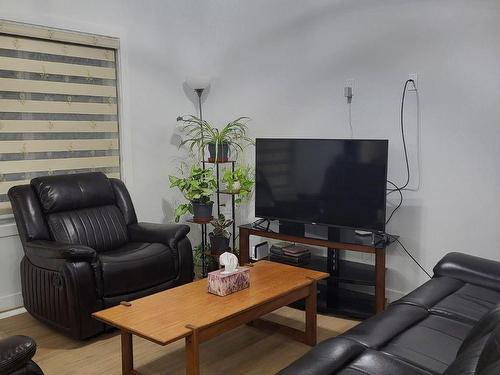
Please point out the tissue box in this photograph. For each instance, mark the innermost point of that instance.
(224, 284)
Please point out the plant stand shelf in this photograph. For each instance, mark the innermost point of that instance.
(206, 252)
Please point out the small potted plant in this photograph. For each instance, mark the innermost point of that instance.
(198, 189)
(200, 134)
(238, 182)
(219, 237)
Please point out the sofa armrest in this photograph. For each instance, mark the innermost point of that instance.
(52, 254)
(15, 353)
(59, 250)
(470, 269)
(168, 234)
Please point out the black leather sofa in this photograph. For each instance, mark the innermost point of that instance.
(85, 250)
(450, 325)
(15, 356)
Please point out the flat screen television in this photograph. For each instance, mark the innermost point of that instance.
(333, 182)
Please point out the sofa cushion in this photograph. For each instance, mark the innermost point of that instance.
(488, 323)
(383, 327)
(469, 303)
(326, 358)
(430, 293)
(376, 363)
(135, 266)
(480, 357)
(100, 228)
(431, 344)
(72, 192)
(454, 298)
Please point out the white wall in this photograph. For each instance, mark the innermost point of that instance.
(159, 48)
(284, 63)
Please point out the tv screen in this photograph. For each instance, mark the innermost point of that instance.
(334, 182)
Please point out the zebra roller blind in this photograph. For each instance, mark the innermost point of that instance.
(58, 111)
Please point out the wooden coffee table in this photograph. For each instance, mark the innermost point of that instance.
(190, 312)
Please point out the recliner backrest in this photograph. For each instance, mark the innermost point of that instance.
(85, 208)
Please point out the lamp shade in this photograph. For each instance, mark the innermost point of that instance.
(198, 82)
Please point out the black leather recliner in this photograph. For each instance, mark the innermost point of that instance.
(15, 356)
(85, 250)
(449, 325)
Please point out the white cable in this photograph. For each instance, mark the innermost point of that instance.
(350, 120)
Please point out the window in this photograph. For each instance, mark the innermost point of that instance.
(58, 105)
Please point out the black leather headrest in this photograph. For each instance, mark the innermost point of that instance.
(73, 191)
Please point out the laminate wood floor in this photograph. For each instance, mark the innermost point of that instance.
(245, 350)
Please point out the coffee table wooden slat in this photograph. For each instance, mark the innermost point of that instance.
(190, 312)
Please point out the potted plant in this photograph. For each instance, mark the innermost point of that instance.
(198, 189)
(211, 262)
(219, 237)
(200, 134)
(238, 182)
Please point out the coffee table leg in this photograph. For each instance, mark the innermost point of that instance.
(127, 354)
(311, 318)
(193, 352)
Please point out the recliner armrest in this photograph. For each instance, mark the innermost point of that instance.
(470, 269)
(168, 234)
(15, 353)
(59, 250)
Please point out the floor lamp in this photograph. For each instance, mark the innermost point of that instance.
(199, 84)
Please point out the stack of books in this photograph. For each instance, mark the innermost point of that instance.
(285, 252)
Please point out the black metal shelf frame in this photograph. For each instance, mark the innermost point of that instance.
(204, 229)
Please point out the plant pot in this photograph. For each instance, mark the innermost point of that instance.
(222, 152)
(218, 244)
(212, 265)
(202, 211)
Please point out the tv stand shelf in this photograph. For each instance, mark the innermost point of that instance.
(339, 299)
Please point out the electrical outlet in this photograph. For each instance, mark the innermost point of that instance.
(349, 83)
(414, 77)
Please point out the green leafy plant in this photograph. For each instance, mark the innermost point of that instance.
(211, 262)
(199, 133)
(239, 182)
(220, 224)
(198, 187)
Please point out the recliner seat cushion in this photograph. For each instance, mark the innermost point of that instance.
(135, 266)
(100, 228)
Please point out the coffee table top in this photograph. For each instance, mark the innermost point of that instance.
(163, 317)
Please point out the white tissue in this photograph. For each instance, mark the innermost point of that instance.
(229, 261)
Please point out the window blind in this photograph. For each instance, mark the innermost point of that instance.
(58, 111)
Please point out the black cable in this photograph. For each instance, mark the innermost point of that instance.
(409, 254)
(400, 200)
(403, 133)
(402, 122)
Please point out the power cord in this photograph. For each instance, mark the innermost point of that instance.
(396, 188)
(396, 239)
(399, 189)
(408, 175)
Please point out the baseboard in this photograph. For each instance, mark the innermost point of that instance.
(11, 301)
(393, 295)
(7, 314)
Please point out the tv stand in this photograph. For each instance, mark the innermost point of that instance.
(340, 271)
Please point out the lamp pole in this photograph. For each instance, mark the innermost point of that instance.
(200, 92)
